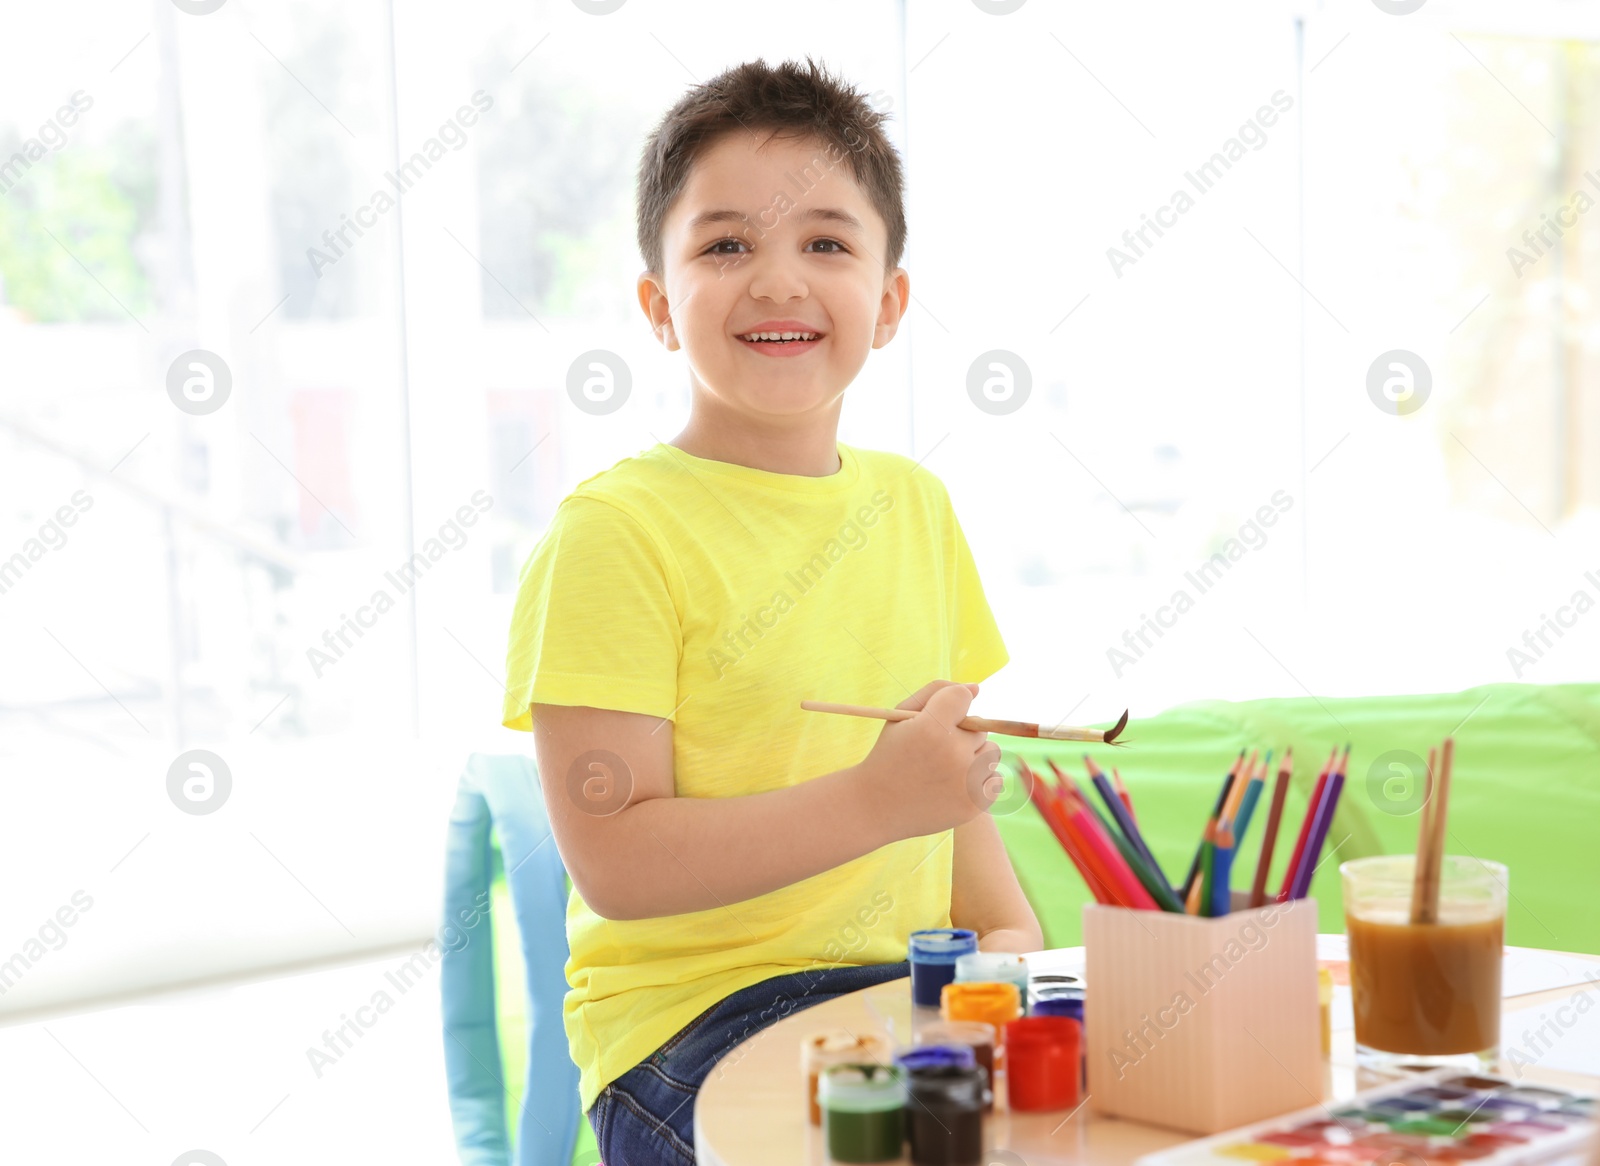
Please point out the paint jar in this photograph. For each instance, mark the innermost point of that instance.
(1043, 1059)
(1325, 1007)
(941, 1056)
(976, 1035)
(863, 1112)
(1058, 1002)
(1063, 1002)
(838, 1046)
(1055, 981)
(994, 965)
(990, 1001)
(933, 954)
(944, 1115)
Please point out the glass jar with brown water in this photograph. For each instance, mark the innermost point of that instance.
(1425, 993)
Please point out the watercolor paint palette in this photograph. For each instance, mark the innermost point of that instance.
(1438, 1118)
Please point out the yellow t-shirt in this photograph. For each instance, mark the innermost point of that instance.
(720, 596)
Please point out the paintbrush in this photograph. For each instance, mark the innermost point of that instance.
(1430, 856)
(980, 724)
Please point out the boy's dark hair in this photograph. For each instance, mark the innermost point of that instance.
(792, 100)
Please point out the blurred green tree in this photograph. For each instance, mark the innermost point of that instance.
(99, 202)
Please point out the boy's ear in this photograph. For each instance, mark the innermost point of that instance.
(653, 299)
(892, 308)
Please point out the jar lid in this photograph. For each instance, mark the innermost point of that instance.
(968, 1032)
(928, 1057)
(991, 965)
(942, 945)
(1044, 1031)
(1056, 979)
(861, 1088)
(996, 998)
(837, 1045)
(1058, 1004)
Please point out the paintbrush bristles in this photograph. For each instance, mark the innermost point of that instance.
(1115, 730)
(1093, 736)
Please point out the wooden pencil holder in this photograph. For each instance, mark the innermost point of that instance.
(1202, 1024)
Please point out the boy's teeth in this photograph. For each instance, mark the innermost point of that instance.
(780, 336)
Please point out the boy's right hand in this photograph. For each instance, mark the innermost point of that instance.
(924, 775)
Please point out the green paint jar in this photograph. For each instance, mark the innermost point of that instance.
(863, 1112)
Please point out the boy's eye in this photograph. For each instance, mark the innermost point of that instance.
(734, 246)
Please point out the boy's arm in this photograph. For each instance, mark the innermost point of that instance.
(985, 894)
(635, 850)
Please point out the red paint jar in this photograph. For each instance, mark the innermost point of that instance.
(1042, 1062)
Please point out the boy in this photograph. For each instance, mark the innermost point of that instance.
(733, 857)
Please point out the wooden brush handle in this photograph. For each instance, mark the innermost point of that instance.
(971, 724)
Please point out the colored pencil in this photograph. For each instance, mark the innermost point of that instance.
(1125, 884)
(1222, 798)
(1305, 828)
(1319, 829)
(1101, 836)
(1122, 792)
(978, 724)
(1040, 796)
(1094, 857)
(1208, 866)
(1230, 808)
(1146, 870)
(1221, 872)
(1247, 807)
(1149, 878)
(1044, 800)
(1258, 889)
(1120, 815)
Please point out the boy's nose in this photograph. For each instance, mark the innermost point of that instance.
(776, 280)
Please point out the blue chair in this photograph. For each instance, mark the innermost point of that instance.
(500, 840)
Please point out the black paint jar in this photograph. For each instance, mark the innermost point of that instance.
(944, 1115)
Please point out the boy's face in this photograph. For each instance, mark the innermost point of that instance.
(747, 249)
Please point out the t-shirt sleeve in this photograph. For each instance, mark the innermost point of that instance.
(595, 620)
(976, 649)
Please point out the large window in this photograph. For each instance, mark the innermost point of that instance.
(1304, 299)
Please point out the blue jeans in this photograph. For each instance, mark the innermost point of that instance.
(646, 1116)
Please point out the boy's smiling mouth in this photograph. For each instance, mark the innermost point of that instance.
(780, 338)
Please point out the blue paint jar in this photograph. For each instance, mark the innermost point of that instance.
(933, 954)
(1058, 1002)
